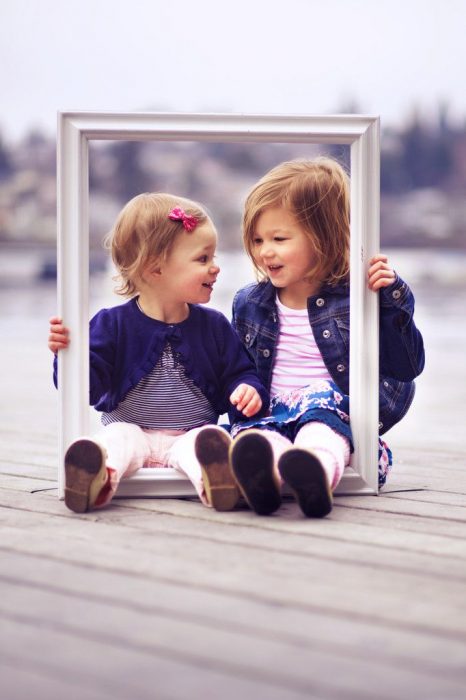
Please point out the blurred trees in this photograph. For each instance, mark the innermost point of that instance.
(6, 165)
(423, 180)
(422, 156)
(128, 176)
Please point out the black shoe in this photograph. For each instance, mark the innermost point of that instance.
(211, 447)
(251, 460)
(304, 474)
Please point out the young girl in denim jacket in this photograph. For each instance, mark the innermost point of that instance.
(162, 367)
(295, 325)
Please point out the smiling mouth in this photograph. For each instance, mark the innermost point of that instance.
(274, 268)
(209, 285)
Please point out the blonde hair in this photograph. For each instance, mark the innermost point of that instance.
(316, 193)
(143, 233)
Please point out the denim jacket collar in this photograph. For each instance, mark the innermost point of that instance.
(263, 294)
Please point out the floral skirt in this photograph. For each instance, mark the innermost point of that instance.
(320, 401)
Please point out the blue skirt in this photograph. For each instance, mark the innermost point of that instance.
(320, 401)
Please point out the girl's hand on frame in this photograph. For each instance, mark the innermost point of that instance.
(380, 273)
(58, 335)
(246, 399)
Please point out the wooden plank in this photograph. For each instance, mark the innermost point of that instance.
(377, 531)
(21, 472)
(254, 618)
(391, 526)
(126, 670)
(248, 569)
(28, 453)
(22, 678)
(445, 498)
(27, 484)
(27, 678)
(404, 507)
(436, 480)
(221, 648)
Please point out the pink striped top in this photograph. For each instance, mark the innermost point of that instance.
(298, 361)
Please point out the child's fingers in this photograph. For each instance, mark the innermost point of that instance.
(57, 342)
(241, 396)
(378, 258)
(379, 264)
(56, 326)
(253, 406)
(58, 338)
(237, 395)
(381, 278)
(246, 399)
(380, 274)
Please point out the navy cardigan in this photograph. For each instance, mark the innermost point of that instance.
(125, 345)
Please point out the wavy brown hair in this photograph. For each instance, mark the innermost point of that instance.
(143, 233)
(317, 194)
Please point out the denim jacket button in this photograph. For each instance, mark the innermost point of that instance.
(341, 368)
(326, 333)
(386, 385)
(380, 425)
(247, 337)
(266, 353)
(320, 301)
(396, 294)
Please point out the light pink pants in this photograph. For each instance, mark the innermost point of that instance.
(331, 448)
(130, 448)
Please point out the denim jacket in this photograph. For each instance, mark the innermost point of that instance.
(255, 319)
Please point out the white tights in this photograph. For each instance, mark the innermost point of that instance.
(130, 448)
(331, 448)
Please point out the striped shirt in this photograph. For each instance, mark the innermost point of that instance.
(298, 361)
(165, 398)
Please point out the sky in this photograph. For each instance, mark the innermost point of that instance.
(384, 57)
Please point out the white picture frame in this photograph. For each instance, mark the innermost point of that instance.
(361, 132)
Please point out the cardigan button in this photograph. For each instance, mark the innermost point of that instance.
(174, 333)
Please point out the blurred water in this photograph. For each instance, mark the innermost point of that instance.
(434, 274)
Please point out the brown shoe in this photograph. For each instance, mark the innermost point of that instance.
(251, 459)
(304, 474)
(85, 474)
(211, 447)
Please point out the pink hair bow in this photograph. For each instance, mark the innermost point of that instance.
(189, 222)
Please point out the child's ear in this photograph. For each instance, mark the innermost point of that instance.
(154, 267)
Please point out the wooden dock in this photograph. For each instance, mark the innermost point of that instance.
(166, 599)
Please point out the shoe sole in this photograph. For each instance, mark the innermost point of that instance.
(212, 449)
(84, 460)
(252, 466)
(305, 476)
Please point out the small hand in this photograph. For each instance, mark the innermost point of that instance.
(380, 273)
(246, 399)
(58, 336)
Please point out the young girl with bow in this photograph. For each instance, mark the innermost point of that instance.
(163, 368)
